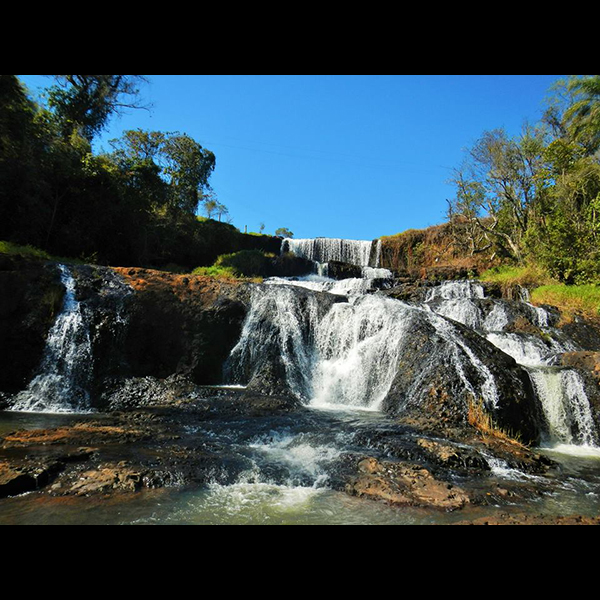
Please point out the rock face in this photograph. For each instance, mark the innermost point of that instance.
(154, 336)
(30, 297)
(181, 324)
(140, 323)
(405, 484)
(440, 374)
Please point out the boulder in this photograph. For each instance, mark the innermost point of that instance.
(445, 369)
(340, 270)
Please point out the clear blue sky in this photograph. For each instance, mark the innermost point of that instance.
(346, 156)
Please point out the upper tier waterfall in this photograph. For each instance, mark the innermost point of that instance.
(322, 250)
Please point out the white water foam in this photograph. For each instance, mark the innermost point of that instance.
(60, 385)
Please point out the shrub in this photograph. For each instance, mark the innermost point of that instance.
(29, 251)
(246, 263)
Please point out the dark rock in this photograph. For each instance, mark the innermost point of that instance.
(584, 332)
(429, 385)
(289, 265)
(31, 295)
(340, 270)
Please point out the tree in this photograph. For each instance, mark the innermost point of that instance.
(501, 180)
(84, 103)
(284, 232)
(582, 117)
(212, 206)
(187, 167)
(183, 164)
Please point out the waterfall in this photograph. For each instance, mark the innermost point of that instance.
(282, 319)
(357, 349)
(566, 407)
(323, 250)
(561, 392)
(346, 354)
(60, 386)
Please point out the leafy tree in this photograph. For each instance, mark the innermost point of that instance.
(582, 118)
(85, 103)
(187, 168)
(501, 180)
(284, 232)
(182, 164)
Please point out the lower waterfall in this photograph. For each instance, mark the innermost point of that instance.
(346, 355)
(61, 384)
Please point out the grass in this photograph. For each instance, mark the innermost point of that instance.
(253, 264)
(11, 249)
(529, 276)
(216, 272)
(570, 299)
(481, 420)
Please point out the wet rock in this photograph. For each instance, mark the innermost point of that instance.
(430, 381)
(289, 265)
(340, 270)
(404, 484)
(528, 519)
(31, 296)
(24, 472)
(585, 332)
(107, 478)
(584, 361)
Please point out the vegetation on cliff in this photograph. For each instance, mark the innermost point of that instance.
(526, 209)
(535, 198)
(136, 205)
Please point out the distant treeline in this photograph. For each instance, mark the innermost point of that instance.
(136, 205)
(535, 198)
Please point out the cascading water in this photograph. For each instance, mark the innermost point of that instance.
(61, 383)
(560, 391)
(323, 250)
(346, 354)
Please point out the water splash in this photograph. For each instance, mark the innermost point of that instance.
(60, 385)
(358, 346)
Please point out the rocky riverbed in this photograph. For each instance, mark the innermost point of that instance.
(161, 419)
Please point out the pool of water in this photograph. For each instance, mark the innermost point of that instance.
(286, 482)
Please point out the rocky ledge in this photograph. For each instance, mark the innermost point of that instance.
(170, 443)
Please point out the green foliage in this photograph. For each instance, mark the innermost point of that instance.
(243, 264)
(529, 276)
(134, 205)
(284, 232)
(216, 272)
(16, 250)
(539, 192)
(246, 263)
(570, 298)
(174, 167)
(84, 103)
